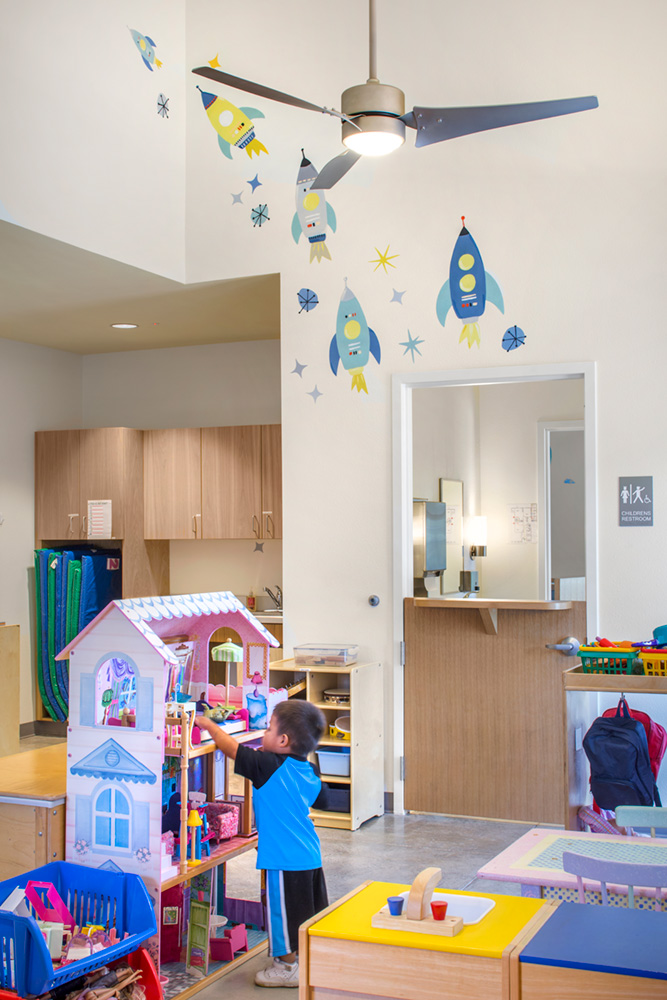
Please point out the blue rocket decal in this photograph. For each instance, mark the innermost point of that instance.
(468, 288)
(146, 47)
(354, 341)
(313, 212)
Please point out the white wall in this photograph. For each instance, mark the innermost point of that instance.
(40, 389)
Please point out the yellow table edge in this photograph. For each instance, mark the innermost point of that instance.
(351, 921)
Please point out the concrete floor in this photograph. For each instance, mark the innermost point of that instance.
(389, 849)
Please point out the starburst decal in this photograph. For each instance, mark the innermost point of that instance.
(397, 297)
(254, 183)
(213, 63)
(259, 215)
(412, 345)
(237, 198)
(315, 394)
(298, 369)
(259, 547)
(384, 259)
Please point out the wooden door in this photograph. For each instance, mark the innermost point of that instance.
(484, 733)
(104, 474)
(231, 482)
(172, 483)
(57, 514)
(272, 481)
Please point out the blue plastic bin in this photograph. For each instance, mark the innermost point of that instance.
(112, 899)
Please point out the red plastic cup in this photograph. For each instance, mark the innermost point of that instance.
(439, 909)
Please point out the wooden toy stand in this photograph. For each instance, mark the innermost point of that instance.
(417, 917)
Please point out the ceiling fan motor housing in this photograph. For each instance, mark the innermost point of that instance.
(374, 107)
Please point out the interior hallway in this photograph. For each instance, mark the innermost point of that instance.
(388, 849)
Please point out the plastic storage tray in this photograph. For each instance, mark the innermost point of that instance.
(655, 662)
(112, 899)
(334, 761)
(607, 660)
(316, 654)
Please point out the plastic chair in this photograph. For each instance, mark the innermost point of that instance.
(653, 817)
(616, 873)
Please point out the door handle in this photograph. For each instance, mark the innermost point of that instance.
(71, 526)
(194, 524)
(568, 646)
(83, 525)
(268, 523)
(255, 521)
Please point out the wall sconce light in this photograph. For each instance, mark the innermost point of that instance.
(476, 532)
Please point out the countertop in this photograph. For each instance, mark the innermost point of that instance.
(35, 775)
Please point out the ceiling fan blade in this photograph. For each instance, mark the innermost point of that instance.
(438, 124)
(256, 88)
(332, 171)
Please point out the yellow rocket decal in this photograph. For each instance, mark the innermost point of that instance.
(233, 125)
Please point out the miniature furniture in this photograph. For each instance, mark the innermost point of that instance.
(343, 956)
(535, 861)
(224, 948)
(360, 795)
(597, 952)
(615, 872)
(653, 817)
(32, 809)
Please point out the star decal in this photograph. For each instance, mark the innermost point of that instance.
(213, 63)
(236, 198)
(412, 345)
(259, 547)
(254, 183)
(315, 394)
(384, 259)
(298, 369)
(397, 296)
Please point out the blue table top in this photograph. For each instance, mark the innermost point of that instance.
(602, 939)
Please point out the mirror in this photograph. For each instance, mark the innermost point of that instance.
(451, 493)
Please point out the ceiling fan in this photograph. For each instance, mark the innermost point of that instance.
(374, 118)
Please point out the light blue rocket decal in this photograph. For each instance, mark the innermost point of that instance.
(146, 47)
(313, 212)
(353, 341)
(468, 288)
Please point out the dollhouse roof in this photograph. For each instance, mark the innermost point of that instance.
(141, 611)
(111, 761)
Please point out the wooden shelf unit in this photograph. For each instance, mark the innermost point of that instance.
(580, 708)
(366, 780)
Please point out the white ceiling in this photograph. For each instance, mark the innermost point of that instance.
(59, 296)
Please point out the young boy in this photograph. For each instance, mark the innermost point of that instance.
(285, 785)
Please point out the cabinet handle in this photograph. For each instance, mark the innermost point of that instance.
(255, 525)
(83, 525)
(194, 524)
(268, 523)
(71, 526)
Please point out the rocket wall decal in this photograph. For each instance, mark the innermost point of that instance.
(354, 341)
(313, 212)
(468, 288)
(233, 125)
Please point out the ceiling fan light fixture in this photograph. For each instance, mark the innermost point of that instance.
(124, 326)
(376, 135)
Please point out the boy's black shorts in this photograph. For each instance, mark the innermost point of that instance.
(291, 899)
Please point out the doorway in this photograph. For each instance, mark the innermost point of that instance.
(403, 386)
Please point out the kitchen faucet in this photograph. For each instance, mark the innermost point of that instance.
(277, 598)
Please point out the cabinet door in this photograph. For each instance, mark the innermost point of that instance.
(103, 474)
(272, 481)
(57, 485)
(172, 483)
(231, 482)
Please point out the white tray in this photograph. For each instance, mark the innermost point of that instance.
(471, 908)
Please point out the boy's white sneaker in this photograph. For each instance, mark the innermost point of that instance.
(278, 974)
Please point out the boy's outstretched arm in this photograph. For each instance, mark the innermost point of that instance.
(222, 740)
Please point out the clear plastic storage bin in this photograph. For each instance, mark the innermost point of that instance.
(317, 654)
(334, 761)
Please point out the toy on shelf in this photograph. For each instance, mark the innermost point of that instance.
(235, 939)
(418, 916)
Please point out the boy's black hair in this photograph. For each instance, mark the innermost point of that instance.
(302, 722)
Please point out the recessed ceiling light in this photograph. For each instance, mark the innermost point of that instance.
(124, 326)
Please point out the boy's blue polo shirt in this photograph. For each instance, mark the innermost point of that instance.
(285, 788)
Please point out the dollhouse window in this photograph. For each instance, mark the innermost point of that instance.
(116, 693)
(111, 819)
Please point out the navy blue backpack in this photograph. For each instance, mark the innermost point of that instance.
(617, 750)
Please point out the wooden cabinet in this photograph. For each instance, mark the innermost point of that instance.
(172, 483)
(73, 467)
(363, 788)
(213, 482)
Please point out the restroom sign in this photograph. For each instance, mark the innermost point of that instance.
(635, 501)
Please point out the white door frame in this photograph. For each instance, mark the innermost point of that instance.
(544, 430)
(402, 385)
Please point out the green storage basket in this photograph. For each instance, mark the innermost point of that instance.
(607, 660)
